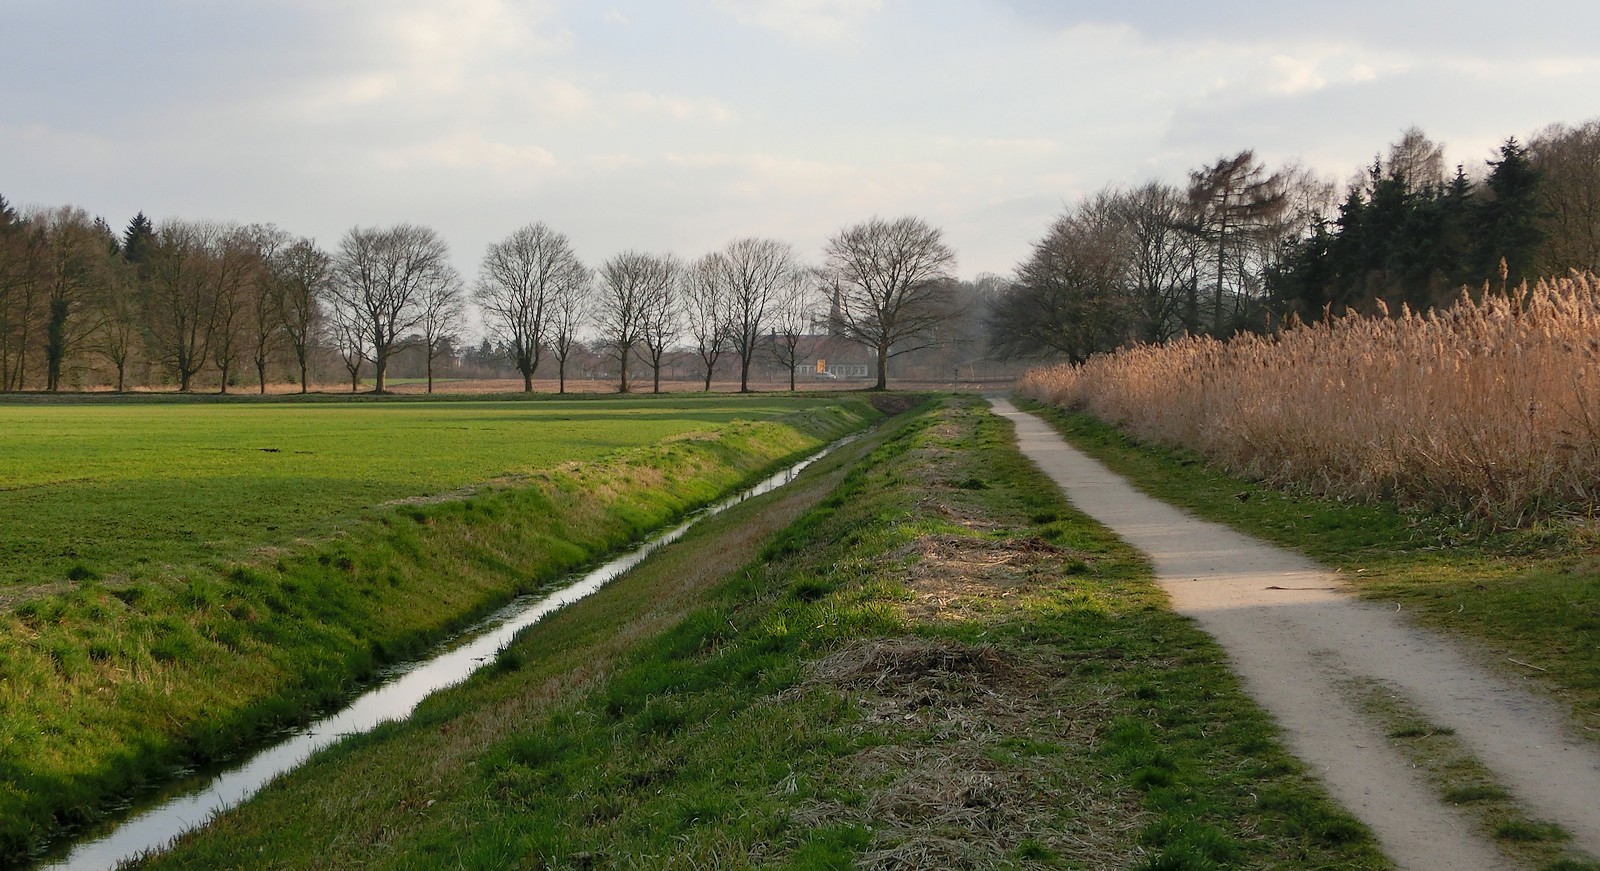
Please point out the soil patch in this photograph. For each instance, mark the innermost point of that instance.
(892, 404)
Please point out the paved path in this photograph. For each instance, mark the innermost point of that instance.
(1299, 639)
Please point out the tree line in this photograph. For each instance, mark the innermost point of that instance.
(1242, 246)
(172, 303)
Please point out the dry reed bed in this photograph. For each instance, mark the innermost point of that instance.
(1490, 408)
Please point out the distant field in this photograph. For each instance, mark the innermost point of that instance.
(101, 489)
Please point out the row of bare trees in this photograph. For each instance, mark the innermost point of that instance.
(1242, 246)
(186, 301)
(883, 284)
(182, 297)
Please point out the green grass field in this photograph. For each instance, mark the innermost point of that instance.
(101, 489)
(183, 578)
(940, 664)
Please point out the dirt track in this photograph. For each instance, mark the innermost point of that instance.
(1300, 641)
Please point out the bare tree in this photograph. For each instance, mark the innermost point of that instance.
(303, 275)
(262, 297)
(75, 266)
(888, 282)
(794, 316)
(347, 333)
(381, 276)
(663, 321)
(708, 310)
(442, 309)
(21, 285)
(629, 289)
(752, 273)
(1160, 257)
(570, 311)
(193, 269)
(1568, 161)
(1073, 296)
(240, 268)
(117, 337)
(1416, 161)
(518, 282)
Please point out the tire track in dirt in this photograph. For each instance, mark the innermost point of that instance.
(1299, 639)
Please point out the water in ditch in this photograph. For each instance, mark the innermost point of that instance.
(154, 828)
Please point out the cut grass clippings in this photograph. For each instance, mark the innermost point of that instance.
(1530, 599)
(941, 664)
(110, 686)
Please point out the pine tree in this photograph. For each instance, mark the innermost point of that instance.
(1508, 216)
(138, 239)
(8, 216)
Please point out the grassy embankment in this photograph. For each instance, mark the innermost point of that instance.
(185, 578)
(1528, 599)
(940, 665)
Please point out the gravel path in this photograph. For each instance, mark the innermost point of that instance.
(1299, 639)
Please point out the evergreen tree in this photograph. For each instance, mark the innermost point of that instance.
(138, 239)
(1456, 231)
(1508, 216)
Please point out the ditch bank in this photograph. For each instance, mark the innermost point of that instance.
(916, 656)
(192, 672)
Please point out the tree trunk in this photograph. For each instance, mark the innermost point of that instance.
(622, 385)
(744, 373)
(261, 373)
(708, 377)
(527, 381)
(655, 377)
(561, 376)
(883, 368)
(380, 364)
(55, 343)
(120, 369)
(1222, 254)
(791, 379)
(430, 372)
(303, 388)
(224, 388)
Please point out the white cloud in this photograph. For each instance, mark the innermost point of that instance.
(1290, 75)
(471, 151)
(675, 107)
(804, 20)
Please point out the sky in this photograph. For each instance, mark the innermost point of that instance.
(678, 125)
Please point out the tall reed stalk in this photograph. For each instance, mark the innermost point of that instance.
(1489, 408)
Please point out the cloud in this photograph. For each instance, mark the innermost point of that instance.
(1533, 28)
(804, 20)
(675, 107)
(471, 151)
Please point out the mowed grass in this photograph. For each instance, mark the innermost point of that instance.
(164, 654)
(940, 665)
(95, 490)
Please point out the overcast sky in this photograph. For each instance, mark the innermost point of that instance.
(676, 125)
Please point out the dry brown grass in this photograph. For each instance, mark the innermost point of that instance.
(939, 796)
(1490, 408)
(957, 577)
